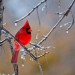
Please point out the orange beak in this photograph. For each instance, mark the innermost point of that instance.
(30, 30)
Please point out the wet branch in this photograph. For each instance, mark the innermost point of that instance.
(43, 1)
(54, 27)
(34, 57)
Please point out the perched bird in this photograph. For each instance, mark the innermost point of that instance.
(24, 37)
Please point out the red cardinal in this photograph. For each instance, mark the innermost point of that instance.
(24, 37)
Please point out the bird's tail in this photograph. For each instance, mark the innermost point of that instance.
(15, 53)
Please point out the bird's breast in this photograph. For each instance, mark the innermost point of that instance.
(25, 38)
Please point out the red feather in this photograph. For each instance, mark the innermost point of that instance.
(24, 37)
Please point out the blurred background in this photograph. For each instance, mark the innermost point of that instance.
(61, 59)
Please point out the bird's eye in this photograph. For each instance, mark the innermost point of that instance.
(28, 31)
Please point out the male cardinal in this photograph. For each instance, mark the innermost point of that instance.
(24, 37)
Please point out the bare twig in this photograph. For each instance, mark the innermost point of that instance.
(59, 4)
(31, 11)
(48, 34)
(15, 68)
(11, 46)
(39, 46)
(68, 23)
(54, 27)
(46, 7)
(1, 16)
(1, 28)
(65, 14)
(1, 41)
(38, 16)
(43, 55)
(34, 57)
(39, 65)
(42, 40)
(71, 23)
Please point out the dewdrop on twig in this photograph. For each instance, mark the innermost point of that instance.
(4, 24)
(44, 7)
(22, 57)
(38, 48)
(37, 37)
(22, 49)
(22, 65)
(41, 49)
(67, 32)
(31, 59)
(48, 47)
(61, 26)
(15, 24)
(47, 52)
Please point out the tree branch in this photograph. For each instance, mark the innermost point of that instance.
(31, 11)
(26, 49)
(71, 23)
(54, 27)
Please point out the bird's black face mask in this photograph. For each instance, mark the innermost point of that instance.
(27, 30)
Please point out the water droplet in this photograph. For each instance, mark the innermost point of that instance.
(24, 53)
(65, 24)
(60, 26)
(15, 24)
(22, 49)
(41, 49)
(22, 57)
(31, 59)
(4, 24)
(22, 65)
(36, 36)
(43, 8)
(47, 52)
(67, 32)
(48, 47)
